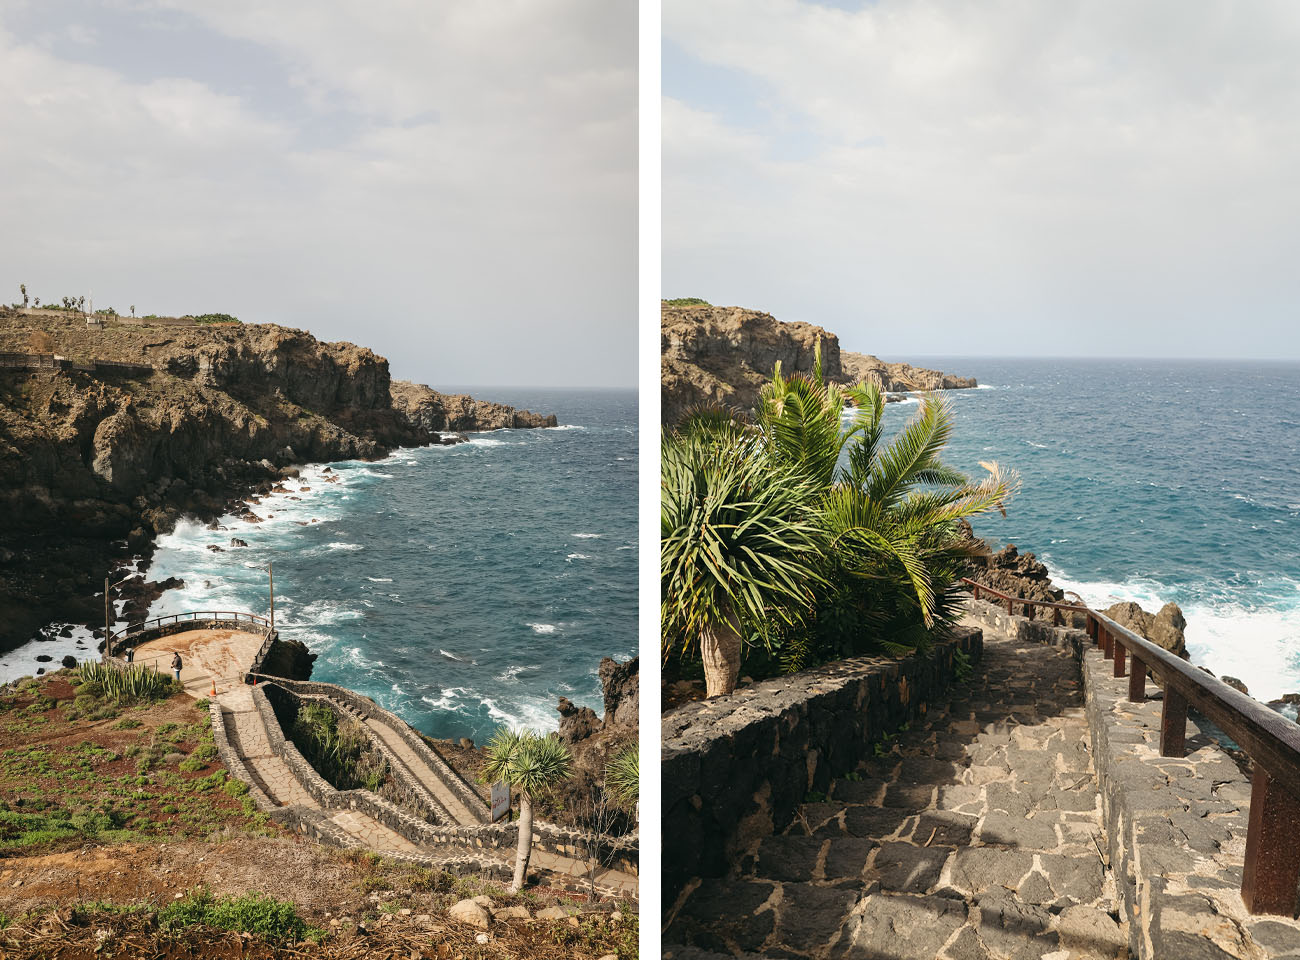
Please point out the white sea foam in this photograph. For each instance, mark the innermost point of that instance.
(532, 716)
(588, 536)
(452, 656)
(345, 546)
(1258, 645)
(543, 627)
(21, 661)
(380, 579)
(985, 386)
(577, 556)
(569, 426)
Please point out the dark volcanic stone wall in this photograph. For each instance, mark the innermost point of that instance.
(736, 768)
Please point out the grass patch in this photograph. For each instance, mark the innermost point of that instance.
(686, 302)
(254, 913)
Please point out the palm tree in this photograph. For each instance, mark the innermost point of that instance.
(889, 511)
(533, 764)
(738, 541)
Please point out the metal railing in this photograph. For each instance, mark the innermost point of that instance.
(1272, 864)
(196, 615)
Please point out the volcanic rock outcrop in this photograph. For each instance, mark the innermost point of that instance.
(723, 355)
(96, 461)
(436, 412)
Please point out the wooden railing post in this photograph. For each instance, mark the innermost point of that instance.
(1056, 616)
(1268, 883)
(1120, 653)
(1009, 610)
(1173, 723)
(1137, 681)
(975, 590)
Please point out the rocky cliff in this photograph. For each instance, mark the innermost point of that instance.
(94, 464)
(436, 412)
(723, 355)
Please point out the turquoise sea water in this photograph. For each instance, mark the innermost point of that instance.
(462, 587)
(1153, 481)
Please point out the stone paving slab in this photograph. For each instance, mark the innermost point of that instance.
(975, 834)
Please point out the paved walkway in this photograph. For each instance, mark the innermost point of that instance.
(221, 657)
(977, 836)
(423, 773)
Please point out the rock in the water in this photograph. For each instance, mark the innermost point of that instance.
(236, 542)
(290, 659)
(69, 661)
(439, 413)
(621, 687)
(216, 549)
(471, 913)
(44, 658)
(1235, 684)
(1165, 629)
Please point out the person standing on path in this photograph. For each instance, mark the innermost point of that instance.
(176, 665)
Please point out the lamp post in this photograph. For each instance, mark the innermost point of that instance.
(270, 580)
(108, 608)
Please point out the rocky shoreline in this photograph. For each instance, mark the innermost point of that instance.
(723, 355)
(94, 464)
(1024, 575)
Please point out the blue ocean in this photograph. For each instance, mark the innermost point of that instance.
(1152, 481)
(462, 587)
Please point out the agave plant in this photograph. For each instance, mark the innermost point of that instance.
(889, 511)
(532, 764)
(126, 683)
(738, 542)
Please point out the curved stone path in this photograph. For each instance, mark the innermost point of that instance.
(217, 659)
(975, 836)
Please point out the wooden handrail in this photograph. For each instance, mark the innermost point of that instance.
(1272, 866)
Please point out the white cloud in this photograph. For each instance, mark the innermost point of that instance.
(452, 184)
(995, 177)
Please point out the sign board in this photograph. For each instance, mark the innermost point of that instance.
(500, 800)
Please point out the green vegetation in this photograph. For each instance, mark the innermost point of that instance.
(739, 542)
(214, 318)
(255, 913)
(622, 777)
(133, 683)
(340, 752)
(685, 302)
(532, 764)
(808, 537)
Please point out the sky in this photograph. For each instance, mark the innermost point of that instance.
(452, 184)
(1080, 177)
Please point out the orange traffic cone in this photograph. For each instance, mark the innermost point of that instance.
(214, 686)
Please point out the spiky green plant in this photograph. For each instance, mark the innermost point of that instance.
(122, 684)
(738, 542)
(623, 777)
(533, 765)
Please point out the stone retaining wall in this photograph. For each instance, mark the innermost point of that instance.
(371, 710)
(736, 768)
(487, 845)
(1175, 831)
(234, 765)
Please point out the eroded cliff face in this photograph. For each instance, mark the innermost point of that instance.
(93, 465)
(436, 412)
(723, 355)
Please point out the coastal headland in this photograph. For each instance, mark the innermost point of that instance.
(724, 355)
(110, 433)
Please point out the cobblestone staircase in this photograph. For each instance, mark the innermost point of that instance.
(973, 835)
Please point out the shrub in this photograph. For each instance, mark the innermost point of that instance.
(686, 302)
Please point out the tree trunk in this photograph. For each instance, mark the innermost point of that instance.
(525, 847)
(720, 646)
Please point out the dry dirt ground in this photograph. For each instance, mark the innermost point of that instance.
(101, 826)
